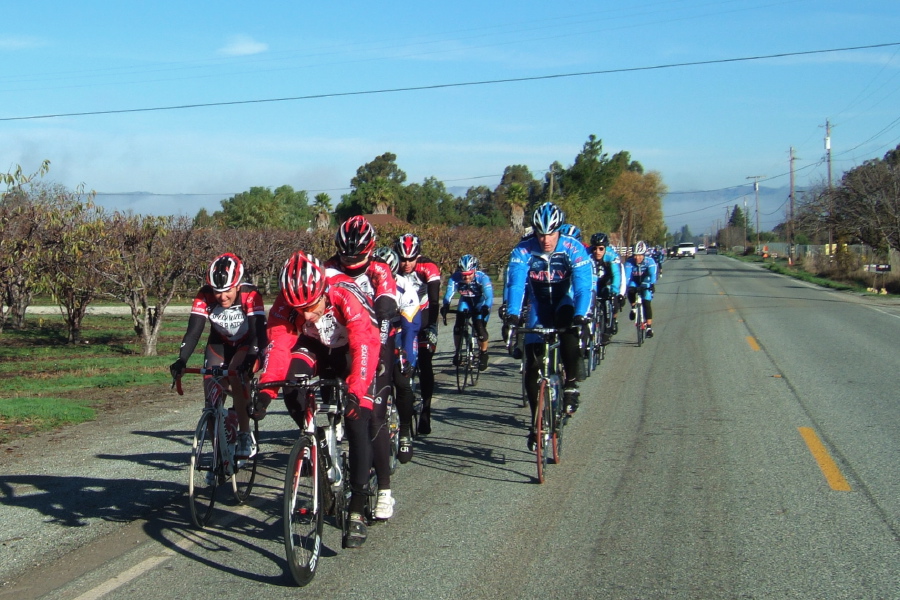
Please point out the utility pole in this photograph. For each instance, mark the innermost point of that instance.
(746, 218)
(828, 149)
(830, 194)
(791, 215)
(756, 179)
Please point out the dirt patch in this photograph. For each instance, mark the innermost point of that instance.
(113, 405)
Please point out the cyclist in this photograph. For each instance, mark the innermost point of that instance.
(571, 231)
(355, 242)
(406, 342)
(608, 271)
(237, 334)
(320, 324)
(556, 274)
(476, 296)
(425, 275)
(640, 276)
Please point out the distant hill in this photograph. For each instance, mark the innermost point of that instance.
(701, 210)
(146, 203)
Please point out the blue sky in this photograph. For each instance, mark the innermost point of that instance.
(703, 127)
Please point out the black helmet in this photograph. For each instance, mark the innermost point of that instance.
(600, 239)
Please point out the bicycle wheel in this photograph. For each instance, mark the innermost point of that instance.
(639, 324)
(303, 508)
(524, 389)
(588, 350)
(206, 470)
(474, 359)
(462, 363)
(245, 473)
(597, 347)
(418, 405)
(559, 416)
(539, 429)
(342, 500)
(393, 422)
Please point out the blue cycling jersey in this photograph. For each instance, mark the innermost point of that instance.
(552, 279)
(472, 296)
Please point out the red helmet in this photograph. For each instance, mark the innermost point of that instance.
(225, 272)
(355, 237)
(408, 246)
(302, 280)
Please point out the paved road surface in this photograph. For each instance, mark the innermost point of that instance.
(749, 450)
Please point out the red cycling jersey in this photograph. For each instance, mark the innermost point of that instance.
(348, 322)
(229, 325)
(376, 281)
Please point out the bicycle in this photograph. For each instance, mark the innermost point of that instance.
(550, 416)
(467, 354)
(212, 450)
(316, 481)
(640, 322)
(601, 329)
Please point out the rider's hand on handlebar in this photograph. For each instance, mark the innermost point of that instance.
(177, 368)
(261, 401)
(444, 310)
(579, 321)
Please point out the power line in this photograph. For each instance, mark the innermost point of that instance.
(451, 85)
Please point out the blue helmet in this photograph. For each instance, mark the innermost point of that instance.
(467, 264)
(547, 218)
(570, 230)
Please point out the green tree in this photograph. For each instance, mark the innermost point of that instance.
(422, 202)
(263, 208)
(376, 187)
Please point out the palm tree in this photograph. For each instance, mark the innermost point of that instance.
(322, 207)
(517, 196)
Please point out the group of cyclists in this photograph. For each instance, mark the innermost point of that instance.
(369, 315)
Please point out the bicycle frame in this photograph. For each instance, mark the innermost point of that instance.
(223, 466)
(317, 456)
(548, 419)
(466, 354)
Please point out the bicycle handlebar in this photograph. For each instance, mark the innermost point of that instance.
(214, 371)
(302, 382)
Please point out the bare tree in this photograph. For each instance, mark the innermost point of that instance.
(72, 225)
(146, 259)
(20, 245)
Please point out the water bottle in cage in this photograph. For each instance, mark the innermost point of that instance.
(553, 388)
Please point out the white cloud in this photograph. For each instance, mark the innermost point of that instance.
(243, 45)
(19, 42)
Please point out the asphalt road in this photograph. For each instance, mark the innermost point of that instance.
(749, 450)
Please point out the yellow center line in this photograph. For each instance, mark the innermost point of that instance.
(831, 471)
(753, 345)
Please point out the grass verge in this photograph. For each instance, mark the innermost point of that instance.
(47, 383)
(782, 267)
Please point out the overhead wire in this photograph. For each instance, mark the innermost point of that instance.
(450, 85)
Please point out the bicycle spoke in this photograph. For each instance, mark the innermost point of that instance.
(539, 429)
(303, 510)
(205, 470)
